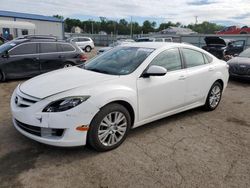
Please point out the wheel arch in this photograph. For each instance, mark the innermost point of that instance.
(128, 106)
(221, 82)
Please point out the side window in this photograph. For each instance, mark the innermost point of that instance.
(68, 48)
(158, 40)
(83, 39)
(207, 58)
(169, 59)
(193, 58)
(48, 47)
(75, 40)
(29, 48)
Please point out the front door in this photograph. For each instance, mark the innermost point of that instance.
(160, 94)
(23, 61)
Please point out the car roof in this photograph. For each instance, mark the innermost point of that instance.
(156, 45)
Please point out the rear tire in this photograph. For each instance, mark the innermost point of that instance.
(68, 64)
(109, 127)
(213, 97)
(88, 49)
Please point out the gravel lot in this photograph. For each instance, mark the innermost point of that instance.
(191, 149)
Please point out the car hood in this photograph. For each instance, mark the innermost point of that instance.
(215, 40)
(240, 60)
(62, 80)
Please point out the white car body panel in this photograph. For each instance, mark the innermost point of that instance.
(151, 98)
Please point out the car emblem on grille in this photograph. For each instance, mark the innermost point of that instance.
(243, 66)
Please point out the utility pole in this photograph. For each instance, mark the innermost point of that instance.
(131, 28)
(92, 26)
(196, 20)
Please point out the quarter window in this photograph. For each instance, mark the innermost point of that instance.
(48, 47)
(169, 59)
(29, 48)
(67, 48)
(193, 58)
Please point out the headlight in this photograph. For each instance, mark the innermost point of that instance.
(65, 104)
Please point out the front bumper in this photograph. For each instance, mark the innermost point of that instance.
(32, 116)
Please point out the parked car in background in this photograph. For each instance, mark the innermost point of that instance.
(239, 67)
(221, 48)
(149, 39)
(234, 30)
(112, 45)
(84, 43)
(124, 88)
(30, 56)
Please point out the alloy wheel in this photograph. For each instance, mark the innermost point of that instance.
(215, 96)
(112, 128)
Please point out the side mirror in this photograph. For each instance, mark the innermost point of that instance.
(5, 54)
(154, 70)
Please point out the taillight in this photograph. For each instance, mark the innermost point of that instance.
(83, 58)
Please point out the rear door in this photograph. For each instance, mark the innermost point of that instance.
(23, 61)
(199, 75)
(51, 57)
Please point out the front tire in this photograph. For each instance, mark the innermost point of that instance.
(109, 128)
(213, 97)
(2, 77)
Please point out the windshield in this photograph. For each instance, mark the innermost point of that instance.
(6, 46)
(119, 61)
(245, 53)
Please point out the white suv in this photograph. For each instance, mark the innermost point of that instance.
(84, 43)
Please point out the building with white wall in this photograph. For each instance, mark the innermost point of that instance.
(18, 24)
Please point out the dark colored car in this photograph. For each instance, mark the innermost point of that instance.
(30, 56)
(239, 67)
(221, 48)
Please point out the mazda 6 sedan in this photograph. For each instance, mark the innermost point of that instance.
(126, 87)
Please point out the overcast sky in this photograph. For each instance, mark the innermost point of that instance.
(226, 12)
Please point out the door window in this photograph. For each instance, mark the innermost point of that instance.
(193, 58)
(29, 48)
(67, 48)
(83, 39)
(48, 47)
(169, 59)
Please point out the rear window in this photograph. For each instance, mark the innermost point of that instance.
(48, 47)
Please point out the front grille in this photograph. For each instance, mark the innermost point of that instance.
(23, 100)
(39, 131)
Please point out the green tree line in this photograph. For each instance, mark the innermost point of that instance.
(123, 27)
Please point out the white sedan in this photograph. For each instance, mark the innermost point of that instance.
(123, 88)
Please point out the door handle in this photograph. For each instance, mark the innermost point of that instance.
(61, 56)
(182, 77)
(211, 69)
